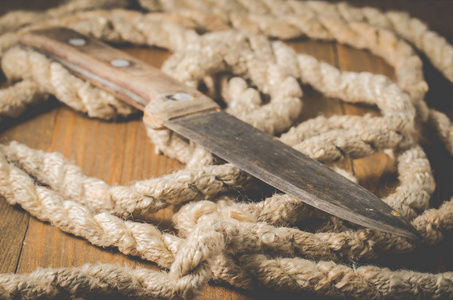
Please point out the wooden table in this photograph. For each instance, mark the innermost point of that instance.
(120, 152)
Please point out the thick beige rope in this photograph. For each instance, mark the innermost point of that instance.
(15, 99)
(244, 244)
(16, 19)
(67, 181)
(144, 240)
(142, 198)
(366, 28)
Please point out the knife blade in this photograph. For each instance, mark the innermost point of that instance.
(169, 103)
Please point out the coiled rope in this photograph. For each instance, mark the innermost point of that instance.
(243, 244)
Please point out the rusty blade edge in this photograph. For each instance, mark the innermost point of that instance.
(401, 228)
(306, 192)
(290, 171)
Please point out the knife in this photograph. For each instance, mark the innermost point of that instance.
(170, 104)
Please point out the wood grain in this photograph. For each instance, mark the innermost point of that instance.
(136, 83)
(120, 152)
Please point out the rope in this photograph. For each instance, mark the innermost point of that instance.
(218, 237)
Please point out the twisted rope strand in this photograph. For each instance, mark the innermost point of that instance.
(105, 230)
(143, 197)
(100, 280)
(328, 278)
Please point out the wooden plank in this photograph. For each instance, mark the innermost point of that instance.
(13, 226)
(14, 221)
(131, 157)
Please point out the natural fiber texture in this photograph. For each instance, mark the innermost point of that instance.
(16, 19)
(142, 198)
(244, 244)
(16, 98)
(363, 28)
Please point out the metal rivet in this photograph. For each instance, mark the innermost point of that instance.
(180, 97)
(77, 42)
(120, 63)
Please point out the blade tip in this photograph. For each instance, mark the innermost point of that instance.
(413, 234)
(408, 231)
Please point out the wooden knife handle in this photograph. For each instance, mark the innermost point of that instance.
(161, 97)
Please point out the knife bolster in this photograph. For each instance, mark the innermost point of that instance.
(164, 108)
(160, 96)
